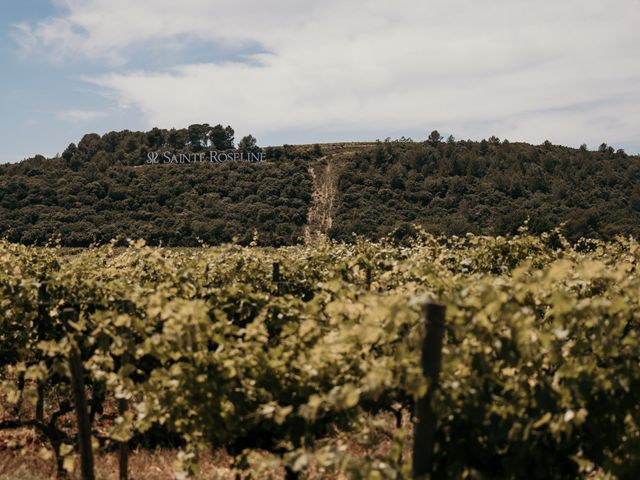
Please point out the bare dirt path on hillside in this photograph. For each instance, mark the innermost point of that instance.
(320, 215)
(325, 172)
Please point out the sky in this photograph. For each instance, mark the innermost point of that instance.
(305, 71)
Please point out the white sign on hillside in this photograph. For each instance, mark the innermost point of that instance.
(212, 156)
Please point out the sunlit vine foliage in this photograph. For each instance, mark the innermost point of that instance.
(541, 373)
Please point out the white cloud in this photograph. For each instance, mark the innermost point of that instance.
(78, 115)
(530, 70)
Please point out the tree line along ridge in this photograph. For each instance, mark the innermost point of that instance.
(98, 190)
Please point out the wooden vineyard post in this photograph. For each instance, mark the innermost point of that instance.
(276, 276)
(425, 418)
(123, 447)
(80, 401)
(289, 474)
(368, 272)
(44, 303)
(123, 405)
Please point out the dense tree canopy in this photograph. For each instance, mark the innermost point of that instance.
(101, 189)
(488, 187)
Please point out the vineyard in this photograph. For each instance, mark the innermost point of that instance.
(291, 352)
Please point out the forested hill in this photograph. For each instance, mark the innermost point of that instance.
(489, 187)
(102, 189)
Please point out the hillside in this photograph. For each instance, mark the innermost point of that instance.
(102, 189)
(490, 188)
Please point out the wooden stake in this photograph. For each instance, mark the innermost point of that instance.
(276, 276)
(123, 447)
(80, 400)
(425, 418)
